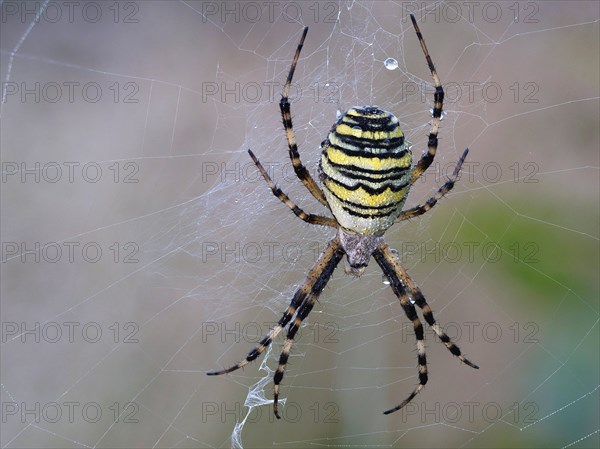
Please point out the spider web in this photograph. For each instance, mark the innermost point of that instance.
(198, 259)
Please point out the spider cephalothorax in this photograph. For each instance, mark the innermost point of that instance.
(366, 170)
(358, 248)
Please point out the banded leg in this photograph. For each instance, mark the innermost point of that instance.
(284, 106)
(264, 343)
(309, 218)
(315, 282)
(421, 209)
(438, 98)
(325, 267)
(401, 273)
(411, 314)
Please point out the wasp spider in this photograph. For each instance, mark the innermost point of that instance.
(366, 171)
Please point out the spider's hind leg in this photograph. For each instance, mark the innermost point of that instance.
(438, 104)
(286, 115)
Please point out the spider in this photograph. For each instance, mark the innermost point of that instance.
(366, 171)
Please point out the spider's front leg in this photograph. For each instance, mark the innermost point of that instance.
(303, 301)
(421, 302)
(402, 284)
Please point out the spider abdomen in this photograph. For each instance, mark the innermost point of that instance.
(365, 169)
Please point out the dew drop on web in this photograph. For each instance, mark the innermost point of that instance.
(390, 64)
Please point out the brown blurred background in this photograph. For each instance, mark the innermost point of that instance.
(140, 249)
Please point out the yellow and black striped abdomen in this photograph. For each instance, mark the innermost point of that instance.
(365, 169)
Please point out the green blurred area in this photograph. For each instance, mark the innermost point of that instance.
(545, 273)
(537, 255)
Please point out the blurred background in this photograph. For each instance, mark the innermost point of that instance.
(140, 249)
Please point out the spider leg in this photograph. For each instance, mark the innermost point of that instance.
(411, 314)
(419, 299)
(284, 106)
(421, 209)
(309, 218)
(315, 282)
(400, 281)
(438, 98)
(323, 269)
